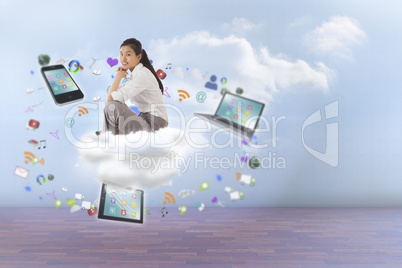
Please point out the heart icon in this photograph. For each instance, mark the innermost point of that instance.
(112, 62)
(214, 200)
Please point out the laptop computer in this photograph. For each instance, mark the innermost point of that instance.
(238, 114)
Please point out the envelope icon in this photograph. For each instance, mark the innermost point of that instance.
(22, 172)
(86, 205)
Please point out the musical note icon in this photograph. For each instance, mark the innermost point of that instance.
(40, 144)
(169, 66)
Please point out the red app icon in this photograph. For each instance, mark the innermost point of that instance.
(33, 124)
(65, 74)
(123, 212)
(92, 212)
(63, 86)
(236, 116)
(161, 74)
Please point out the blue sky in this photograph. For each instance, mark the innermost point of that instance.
(295, 57)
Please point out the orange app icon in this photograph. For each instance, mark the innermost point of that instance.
(61, 81)
(123, 202)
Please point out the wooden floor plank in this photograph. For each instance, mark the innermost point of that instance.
(217, 237)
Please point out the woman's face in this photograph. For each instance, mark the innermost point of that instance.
(128, 58)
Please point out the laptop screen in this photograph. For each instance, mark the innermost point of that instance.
(240, 110)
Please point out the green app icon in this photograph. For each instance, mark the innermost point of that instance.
(70, 202)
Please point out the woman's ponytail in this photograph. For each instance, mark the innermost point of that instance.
(147, 63)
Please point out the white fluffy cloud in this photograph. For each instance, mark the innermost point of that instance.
(336, 37)
(141, 160)
(258, 72)
(239, 26)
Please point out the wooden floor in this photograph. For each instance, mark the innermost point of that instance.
(216, 237)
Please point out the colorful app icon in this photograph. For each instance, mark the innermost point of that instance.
(57, 75)
(134, 196)
(183, 209)
(61, 81)
(112, 210)
(247, 113)
(71, 84)
(230, 107)
(249, 107)
(133, 214)
(240, 104)
(112, 200)
(86, 205)
(58, 203)
(123, 202)
(68, 79)
(238, 110)
(65, 74)
(55, 88)
(204, 186)
(161, 74)
(92, 212)
(113, 191)
(50, 77)
(235, 116)
(123, 193)
(244, 119)
(70, 202)
(233, 101)
(33, 124)
(134, 204)
(227, 113)
(123, 212)
(63, 86)
(53, 83)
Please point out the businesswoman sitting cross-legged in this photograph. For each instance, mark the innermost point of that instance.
(143, 89)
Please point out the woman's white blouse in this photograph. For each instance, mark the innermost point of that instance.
(142, 90)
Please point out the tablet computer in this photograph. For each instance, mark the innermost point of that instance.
(120, 203)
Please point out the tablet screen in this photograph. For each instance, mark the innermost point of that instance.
(121, 203)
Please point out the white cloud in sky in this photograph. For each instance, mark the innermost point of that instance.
(139, 160)
(239, 26)
(258, 72)
(336, 37)
(178, 71)
(195, 74)
(142, 159)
